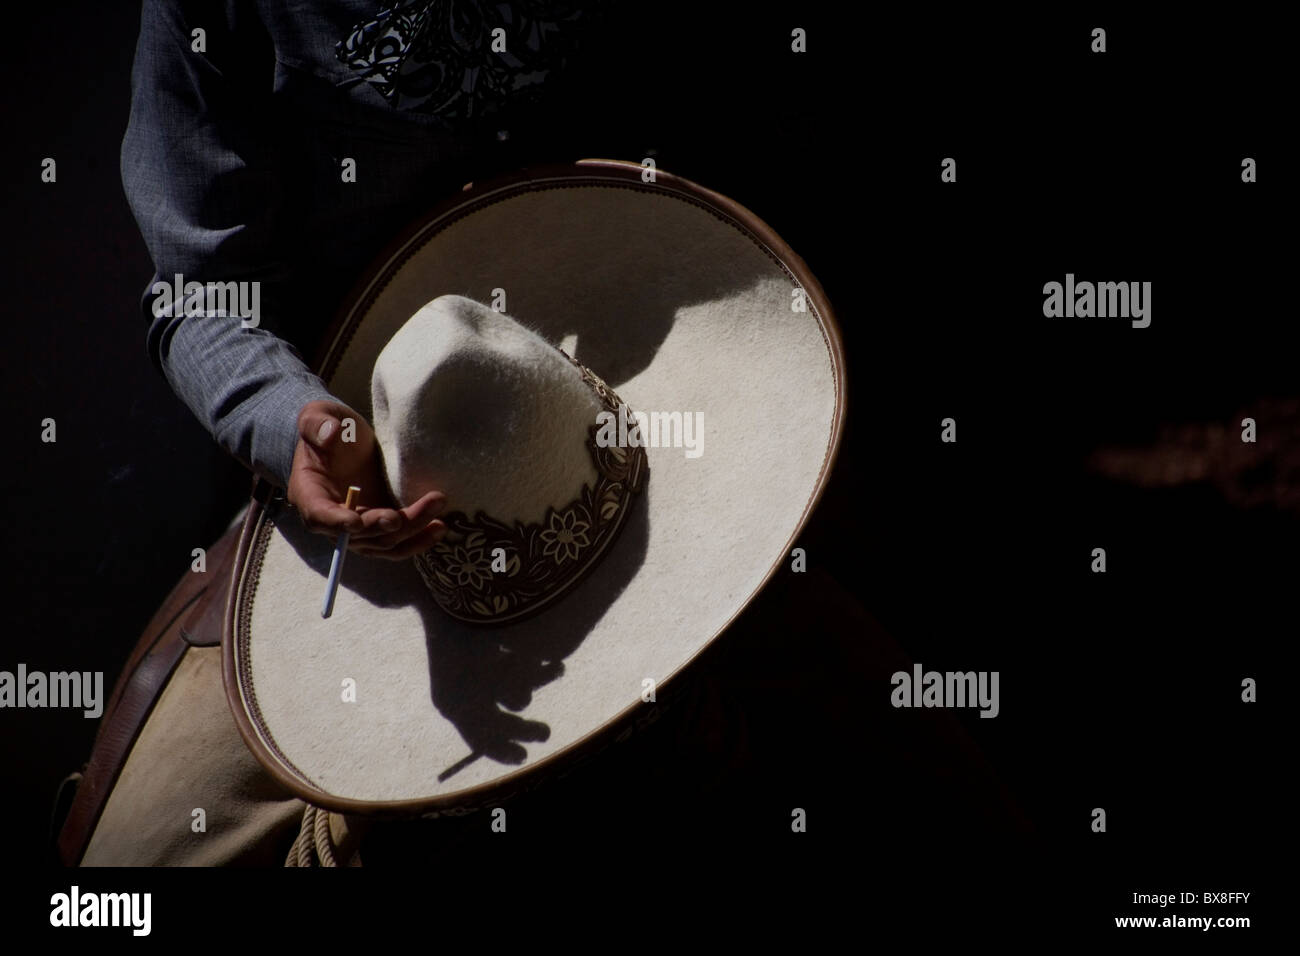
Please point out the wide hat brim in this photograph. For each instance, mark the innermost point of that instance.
(681, 300)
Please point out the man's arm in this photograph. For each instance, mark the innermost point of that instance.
(199, 166)
(199, 170)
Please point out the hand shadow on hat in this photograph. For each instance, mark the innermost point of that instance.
(479, 674)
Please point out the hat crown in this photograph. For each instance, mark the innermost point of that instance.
(469, 402)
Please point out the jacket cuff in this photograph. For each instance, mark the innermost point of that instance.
(275, 431)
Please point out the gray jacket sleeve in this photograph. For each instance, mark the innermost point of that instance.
(199, 170)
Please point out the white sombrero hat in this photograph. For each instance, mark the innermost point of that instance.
(578, 572)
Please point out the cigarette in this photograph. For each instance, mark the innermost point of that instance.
(336, 565)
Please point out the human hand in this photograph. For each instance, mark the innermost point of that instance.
(324, 465)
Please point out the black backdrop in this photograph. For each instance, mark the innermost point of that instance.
(1119, 691)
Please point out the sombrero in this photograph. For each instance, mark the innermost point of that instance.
(632, 392)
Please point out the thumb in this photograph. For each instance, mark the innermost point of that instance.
(319, 428)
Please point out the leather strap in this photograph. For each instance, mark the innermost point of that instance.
(190, 615)
(202, 626)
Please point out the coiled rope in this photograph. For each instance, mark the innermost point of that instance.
(313, 846)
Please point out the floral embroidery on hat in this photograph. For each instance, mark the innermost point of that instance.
(541, 560)
(566, 536)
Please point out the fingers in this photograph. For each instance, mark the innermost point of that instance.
(401, 533)
(315, 498)
(426, 508)
(408, 547)
(402, 522)
(323, 516)
(371, 529)
(366, 528)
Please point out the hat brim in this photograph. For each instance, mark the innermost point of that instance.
(683, 301)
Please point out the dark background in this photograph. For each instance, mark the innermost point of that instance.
(1119, 691)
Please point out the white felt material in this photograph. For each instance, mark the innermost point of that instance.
(468, 402)
(677, 311)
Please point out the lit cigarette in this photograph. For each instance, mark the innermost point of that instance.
(336, 565)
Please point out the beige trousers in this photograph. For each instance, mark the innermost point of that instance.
(191, 793)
